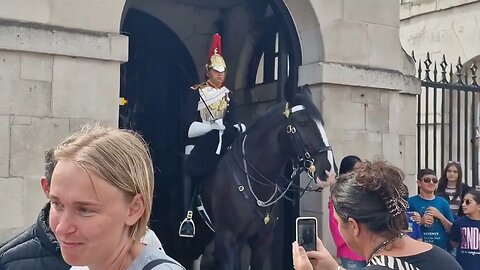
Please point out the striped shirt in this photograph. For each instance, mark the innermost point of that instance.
(454, 202)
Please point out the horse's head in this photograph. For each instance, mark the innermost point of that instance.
(309, 146)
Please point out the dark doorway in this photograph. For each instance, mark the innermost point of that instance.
(158, 72)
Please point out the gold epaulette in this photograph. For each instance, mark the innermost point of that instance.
(199, 86)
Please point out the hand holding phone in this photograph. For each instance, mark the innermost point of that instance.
(307, 231)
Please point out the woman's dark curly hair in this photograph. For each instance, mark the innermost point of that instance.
(373, 196)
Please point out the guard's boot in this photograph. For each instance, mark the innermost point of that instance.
(187, 226)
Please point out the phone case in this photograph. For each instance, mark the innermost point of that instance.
(306, 232)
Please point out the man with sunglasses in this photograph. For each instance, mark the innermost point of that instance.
(436, 218)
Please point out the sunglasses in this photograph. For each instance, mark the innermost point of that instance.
(453, 162)
(467, 201)
(427, 180)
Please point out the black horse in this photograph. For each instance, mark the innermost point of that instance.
(240, 196)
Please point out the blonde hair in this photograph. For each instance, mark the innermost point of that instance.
(120, 157)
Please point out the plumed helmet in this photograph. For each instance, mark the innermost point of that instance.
(215, 59)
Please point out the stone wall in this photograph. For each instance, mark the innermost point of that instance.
(58, 71)
(446, 27)
(365, 87)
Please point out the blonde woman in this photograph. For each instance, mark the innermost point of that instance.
(101, 198)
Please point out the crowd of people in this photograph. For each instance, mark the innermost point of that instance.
(437, 229)
(99, 183)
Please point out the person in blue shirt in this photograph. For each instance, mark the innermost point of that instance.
(435, 215)
(466, 231)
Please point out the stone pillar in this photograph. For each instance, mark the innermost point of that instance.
(365, 85)
(59, 68)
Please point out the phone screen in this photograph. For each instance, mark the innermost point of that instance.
(307, 233)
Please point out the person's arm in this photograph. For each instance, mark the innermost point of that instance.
(194, 125)
(455, 236)
(190, 113)
(446, 223)
(198, 129)
(427, 219)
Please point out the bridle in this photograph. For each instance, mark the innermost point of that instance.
(302, 159)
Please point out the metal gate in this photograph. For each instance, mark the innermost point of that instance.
(448, 117)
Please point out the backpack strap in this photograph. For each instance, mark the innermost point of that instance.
(156, 262)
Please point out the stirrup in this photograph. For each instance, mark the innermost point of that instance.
(187, 227)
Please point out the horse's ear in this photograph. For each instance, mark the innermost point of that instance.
(302, 93)
(299, 93)
(305, 89)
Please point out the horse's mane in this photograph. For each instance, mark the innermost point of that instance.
(266, 118)
(303, 97)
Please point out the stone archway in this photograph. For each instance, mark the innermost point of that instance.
(307, 23)
(304, 36)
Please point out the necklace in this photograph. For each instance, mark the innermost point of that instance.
(384, 244)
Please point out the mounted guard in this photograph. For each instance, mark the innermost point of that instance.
(211, 125)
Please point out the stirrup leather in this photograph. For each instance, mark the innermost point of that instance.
(187, 227)
(203, 213)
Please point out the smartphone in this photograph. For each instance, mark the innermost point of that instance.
(307, 231)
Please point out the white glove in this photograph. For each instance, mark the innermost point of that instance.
(240, 127)
(218, 124)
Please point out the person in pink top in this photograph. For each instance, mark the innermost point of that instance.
(349, 259)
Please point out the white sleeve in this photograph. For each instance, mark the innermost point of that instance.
(197, 129)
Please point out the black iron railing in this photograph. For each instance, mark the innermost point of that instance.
(448, 117)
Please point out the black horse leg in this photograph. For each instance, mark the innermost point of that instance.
(226, 251)
(261, 248)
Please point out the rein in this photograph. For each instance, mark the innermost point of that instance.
(272, 199)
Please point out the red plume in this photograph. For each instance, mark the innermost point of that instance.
(216, 46)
